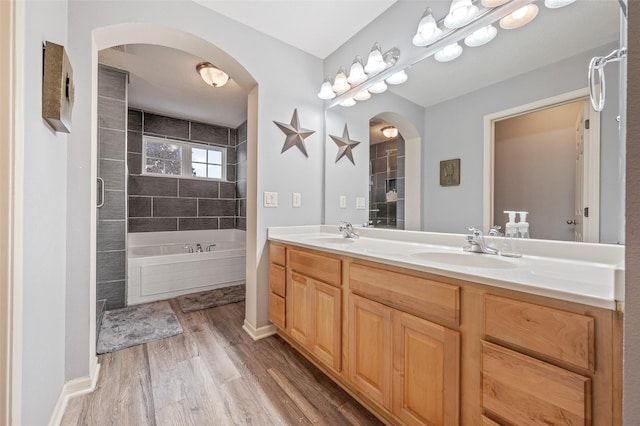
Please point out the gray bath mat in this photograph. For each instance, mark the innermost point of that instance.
(135, 325)
(211, 298)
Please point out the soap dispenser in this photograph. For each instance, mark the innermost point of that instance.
(523, 225)
(510, 247)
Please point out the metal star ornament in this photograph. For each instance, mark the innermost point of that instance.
(295, 135)
(345, 145)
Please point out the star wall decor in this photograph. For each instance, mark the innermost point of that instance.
(345, 145)
(295, 135)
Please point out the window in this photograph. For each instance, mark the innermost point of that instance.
(169, 157)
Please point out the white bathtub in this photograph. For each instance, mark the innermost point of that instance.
(160, 267)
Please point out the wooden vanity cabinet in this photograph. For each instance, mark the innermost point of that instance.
(277, 285)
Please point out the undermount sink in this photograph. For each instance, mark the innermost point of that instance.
(474, 260)
(333, 240)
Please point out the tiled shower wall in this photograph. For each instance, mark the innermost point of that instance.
(159, 203)
(387, 168)
(111, 255)
(241, 172)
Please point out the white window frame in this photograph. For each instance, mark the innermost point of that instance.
(185, 167)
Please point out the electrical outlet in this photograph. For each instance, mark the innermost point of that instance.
(296, 200)
(343, 201)
(271, 199)
(361, 203)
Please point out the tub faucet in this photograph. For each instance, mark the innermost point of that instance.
(347, 229)
(198, 248)
(477, 244)
(189, 248)
(210, 246)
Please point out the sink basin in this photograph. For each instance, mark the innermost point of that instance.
(333, 240)
(474, 260)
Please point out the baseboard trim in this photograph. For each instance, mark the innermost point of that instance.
(259, 333)
(73, 388)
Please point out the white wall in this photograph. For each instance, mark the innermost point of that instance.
(455, 129)
(45, 212)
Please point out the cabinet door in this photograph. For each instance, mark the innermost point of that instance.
(298, 308)
(326, 324)
(369, 355)
(426, 366)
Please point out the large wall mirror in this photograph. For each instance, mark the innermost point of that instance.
(453, 110)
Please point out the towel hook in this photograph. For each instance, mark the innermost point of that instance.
(596, 76)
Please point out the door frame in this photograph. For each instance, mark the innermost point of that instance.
(12, 19)
(591, 158)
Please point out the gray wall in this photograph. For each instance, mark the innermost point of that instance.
(159, 203)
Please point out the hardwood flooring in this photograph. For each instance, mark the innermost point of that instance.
(213, 374)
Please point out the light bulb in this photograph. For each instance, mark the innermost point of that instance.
(379, 87)
(389, 132)
(398, 78)
(493, 3)
(212, 75)
(554, 4)
(449, 53)
(419, 41)
(356, 73)
(362, 96)
(428, 30)
(482, 36)
(326, 92)
(460, 14)
(349, 102)
(520, 17)
(375, 61)
(340, 84)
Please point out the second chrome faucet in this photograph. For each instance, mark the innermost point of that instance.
(347, 230)
(477, 243)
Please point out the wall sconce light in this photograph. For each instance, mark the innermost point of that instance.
(520, 17)
(460, 14)
(389, 132)
(481, 37)
(212, 75)
(340, 84)
(356, 73)
(375, 61)
(554, 4)
(449, 53)
(428, 30)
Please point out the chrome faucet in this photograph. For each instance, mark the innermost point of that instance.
(189, 248)
(198, 248)
(210, 246)
(477, 244)
(347, 229)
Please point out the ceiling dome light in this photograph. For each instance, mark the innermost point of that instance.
(375, 61)
(212, 75)
(493, 3)
(482, 36)
(520, 17)
(349, 102)
(326, 92)
(460, 14)
(428, 30)
(340, 84)
(362, 96)
(389, 132)
(449, 53)
(356, 73)
(379, 87)
(398, 78)
(554, 4)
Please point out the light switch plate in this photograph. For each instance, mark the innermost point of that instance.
(343, 201)
(296, 199)
(361, 203)
(271, 199)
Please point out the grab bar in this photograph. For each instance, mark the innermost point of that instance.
(100, 192)
(597, 64)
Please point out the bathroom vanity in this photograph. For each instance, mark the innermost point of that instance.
(424, 334)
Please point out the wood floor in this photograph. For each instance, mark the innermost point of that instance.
(213, 374)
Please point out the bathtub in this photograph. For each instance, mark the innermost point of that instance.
(160, 265)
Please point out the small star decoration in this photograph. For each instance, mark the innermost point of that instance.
(345, 145)
(295, 135)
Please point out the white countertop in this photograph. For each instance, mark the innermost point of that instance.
(592, 274)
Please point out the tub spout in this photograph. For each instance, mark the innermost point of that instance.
(210, 246)
(189, 248)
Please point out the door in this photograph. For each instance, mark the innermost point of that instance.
(298, 305)
(326, 324)
(578, 217)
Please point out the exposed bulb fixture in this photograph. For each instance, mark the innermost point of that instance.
(398, 78)
(356, 73)
(362, 96)
(481, 37)
(379, 87)
(428, 30)
(389, 132)
(493, 3)
(520, 17)
(326, 92)
(448, 53)
(340, 84)
(460, 14)
(375, 61)
(349, 102)
(554, 4)
(212, 75)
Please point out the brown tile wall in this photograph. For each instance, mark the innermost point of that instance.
(175, 204)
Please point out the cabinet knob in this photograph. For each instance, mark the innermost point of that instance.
(572, 222)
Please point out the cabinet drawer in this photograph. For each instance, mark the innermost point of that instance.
(277, 279)
(277, 310)
(486, 421)
(277, 254)
(420, 296)
(316, 266)
(526, 391)
(561, 335)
